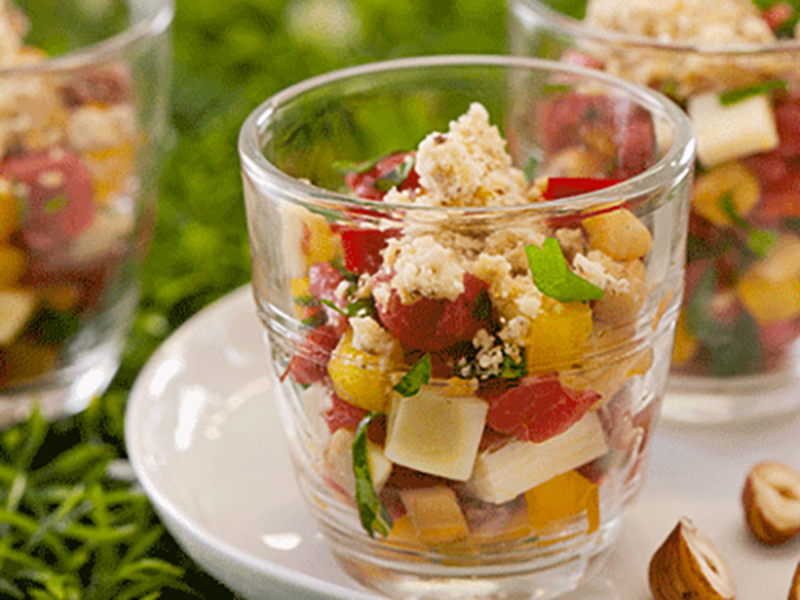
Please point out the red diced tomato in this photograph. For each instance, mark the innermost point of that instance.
(323, 279)
(539, 409)
(787, 120)
(362, 247)
(58, 201)
(778, 14)
(310, 364)
(564, 187)
(432, 325)
(363, 184)
(343, 414)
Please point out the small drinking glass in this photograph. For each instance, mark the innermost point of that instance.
(83, 99)
(472, 354)
(737, 348)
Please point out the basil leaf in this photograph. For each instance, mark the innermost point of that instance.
(363, 307)
(314, 320)
(553, 277)
(419, 375)
(550, 89)
(346, 167)
(482, 310)
(396, 176)
(373, 514)
(759, 241)
(513, 370)
(740, 94)
(530, 168)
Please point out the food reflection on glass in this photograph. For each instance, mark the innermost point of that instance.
(74, 221)
(478, 364)
(734, 67)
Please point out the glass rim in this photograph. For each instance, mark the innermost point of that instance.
(677, 160)
(608, 36)
(147, 27)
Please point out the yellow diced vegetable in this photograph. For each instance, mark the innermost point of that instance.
(402, 533)
(783, 262)
(360, 378)
(9, 212)
(619, 234)
(564, 497)
(685, 343)
(12, 265)
(300, 289)
(16, 308)
(557, 335)
(769, 301)
(435, 515)
(732, 180)
(318, 243)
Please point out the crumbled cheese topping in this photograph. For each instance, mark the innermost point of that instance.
(423, 267)
(701, 21)
(370, 337)
(93, 128)
(468, 166)
(594, 269)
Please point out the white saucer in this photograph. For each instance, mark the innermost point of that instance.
(204, 439)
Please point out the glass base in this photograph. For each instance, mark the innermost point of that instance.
(67, 392)
(541, 579)
(705, 400)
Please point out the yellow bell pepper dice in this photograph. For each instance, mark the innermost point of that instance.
(563, 497)
(360, 378)
(556, 337)
(769, 301)
(685, 343)
(12, 265)
(619, 234)
(9, 212)
(731, 182)
(319, 244)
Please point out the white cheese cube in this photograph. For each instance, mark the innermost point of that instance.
(16, 307)
(501, 474)
(436, 433)
(728, 132)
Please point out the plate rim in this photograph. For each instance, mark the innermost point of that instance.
(136, 406)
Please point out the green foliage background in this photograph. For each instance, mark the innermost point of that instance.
(67, 529)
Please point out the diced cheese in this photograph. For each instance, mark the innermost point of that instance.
(728, 132)
(435, 433)
(16, 307)
(501, 474)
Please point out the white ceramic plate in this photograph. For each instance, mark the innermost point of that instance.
(204, 438)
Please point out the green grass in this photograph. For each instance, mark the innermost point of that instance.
(67, 530)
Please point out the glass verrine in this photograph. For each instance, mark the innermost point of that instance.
(457, 432)
(83, 118)
(737, 349)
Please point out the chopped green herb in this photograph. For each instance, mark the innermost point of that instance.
(56, 204)
(530, 168)
(314, 321)
(759, 241)
(306, 300)
(373, 514)
(550, 89)
(396, 176)
(419, 375)
(345, 167)
(740, 94)
(482, 310)
(363, 307)
(553, 277)
(513, 370)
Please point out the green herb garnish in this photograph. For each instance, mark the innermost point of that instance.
(396, 176)
(553, 277)
(346, 167)
(374, 516)
(530, 168)
(363, 307)
(759, 241)
(314, 320)
(412, 382)
(306, 300)
(56, 204)
(513, 370)
(740, 94)
(482, 310)
(550, 89)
